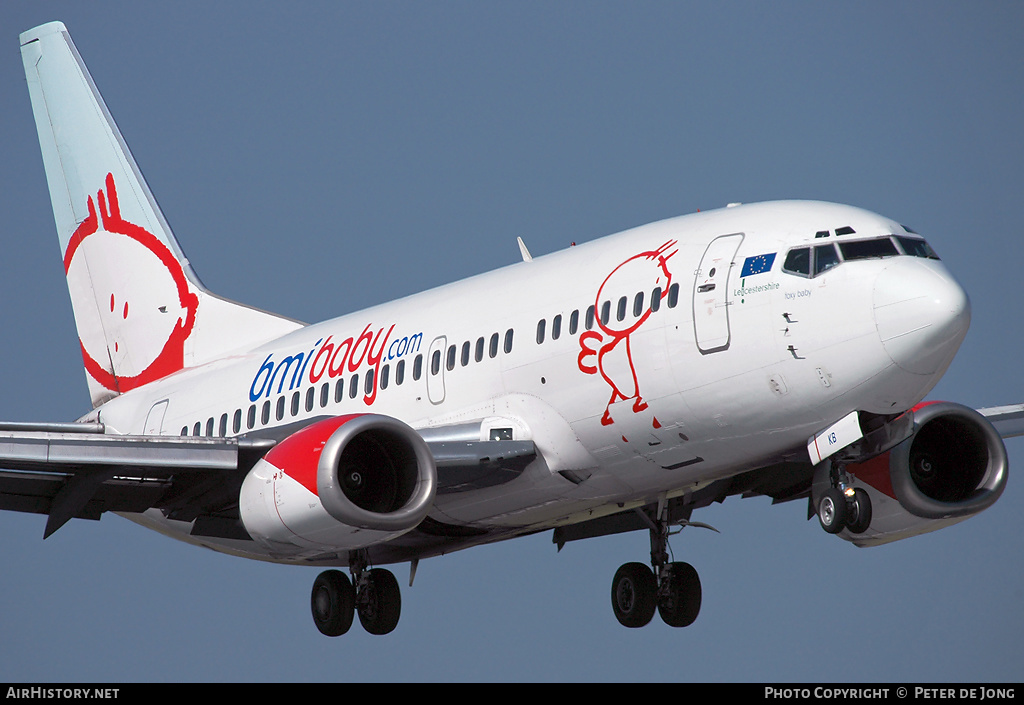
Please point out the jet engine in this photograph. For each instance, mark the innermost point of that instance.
(952, 465)
(340, 484)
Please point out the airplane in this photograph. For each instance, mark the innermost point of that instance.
(780, 349)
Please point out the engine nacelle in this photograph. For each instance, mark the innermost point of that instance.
(952, 466)
(339, 484)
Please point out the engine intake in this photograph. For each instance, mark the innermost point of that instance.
(376, 473)
(373, 475)
(953, 465)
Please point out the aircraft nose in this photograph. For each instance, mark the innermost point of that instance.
(921, 313)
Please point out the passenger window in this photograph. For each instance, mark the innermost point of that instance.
(508, 341)
(606, 312)
(371, 378)
(236, 422)
(400, 372)
(638, 304)
(656, 299)
(450, 364)
(590, 318)
(673, 295)
(296, 398)
(825, 258)
(250, 418)
(540, 331)
(384, 371)
(222, 429)
(209, 427)
(417, 367)
(620, 310)
(574, 322)
(339, 390)
(184, 430)
(798, 262)
(435, 362)
(465, 353)
(556, 327)
(280, 408)
(325, 394)
(265, 414)
(353, 387)
(197, 429)
(479, 353)
(310, 398)
(493, 349)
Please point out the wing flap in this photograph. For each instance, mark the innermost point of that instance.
(69, 452)
(82, 473)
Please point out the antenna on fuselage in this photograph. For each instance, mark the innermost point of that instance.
(527, 257)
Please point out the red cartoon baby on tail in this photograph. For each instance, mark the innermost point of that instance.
(132, 302)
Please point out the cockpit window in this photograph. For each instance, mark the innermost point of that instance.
(812, 261)
(805, 260)
(825, 257)
(798, 261)
(916, 247)
(868, 249)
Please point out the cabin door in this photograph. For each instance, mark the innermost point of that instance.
(711, 294)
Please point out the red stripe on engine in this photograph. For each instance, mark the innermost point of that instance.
(298, 455)
(875, 472)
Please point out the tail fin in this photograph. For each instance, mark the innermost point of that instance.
(140, 310)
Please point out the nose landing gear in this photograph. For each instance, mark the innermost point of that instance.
(671, 588)
(842, 506)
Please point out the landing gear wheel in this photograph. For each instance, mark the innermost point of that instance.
(860, 512)
(634, 595)
(832, 512)
(679, 604)
(379, 602)
(332, 602)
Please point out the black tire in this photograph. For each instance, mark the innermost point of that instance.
(379, 603)
(332, 602)
(860, 514)
(832, 511)
(634, 595)
(681, 605)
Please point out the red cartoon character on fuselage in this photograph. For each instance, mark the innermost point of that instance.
(611, 345)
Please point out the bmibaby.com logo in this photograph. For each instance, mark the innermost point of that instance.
(333, 358)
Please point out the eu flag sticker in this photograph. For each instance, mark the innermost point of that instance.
(757, 264)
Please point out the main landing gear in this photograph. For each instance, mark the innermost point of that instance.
(372, 594)
(671, 588)
(842, 506)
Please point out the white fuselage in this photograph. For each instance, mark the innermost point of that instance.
(738, 366)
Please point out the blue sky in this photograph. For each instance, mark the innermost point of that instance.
(316, 158)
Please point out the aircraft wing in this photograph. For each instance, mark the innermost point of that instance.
(1008, 420)
(75, 470)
